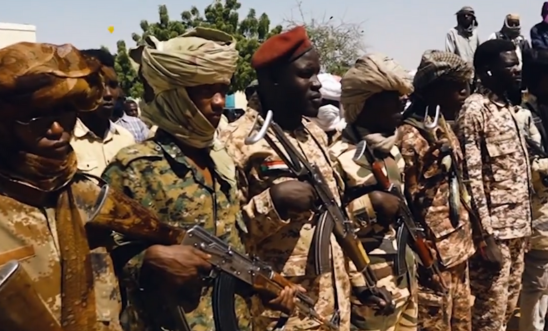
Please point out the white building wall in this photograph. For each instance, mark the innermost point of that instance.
(11, 33)
(239, 100)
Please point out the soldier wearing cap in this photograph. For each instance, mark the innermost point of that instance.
(277, 208)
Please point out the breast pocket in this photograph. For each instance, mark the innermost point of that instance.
(502, 152)
(88, 166)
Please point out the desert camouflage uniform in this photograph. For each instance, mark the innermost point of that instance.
(29, 234)
(498, 173)
(380, 244)
(157, 174)
(285, 244)
(427, 183)
(534, 292)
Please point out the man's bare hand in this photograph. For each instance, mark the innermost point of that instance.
(176, 265)
(285, 301)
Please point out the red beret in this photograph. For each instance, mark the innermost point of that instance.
(285, 46)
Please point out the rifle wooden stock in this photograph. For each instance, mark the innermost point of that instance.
(21, 308)
(420, 245)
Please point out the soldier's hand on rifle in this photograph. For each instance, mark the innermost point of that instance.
(491, 252)
(386, 205)
(292, 195)
(175, 265)
(285, 301)
(377, 298)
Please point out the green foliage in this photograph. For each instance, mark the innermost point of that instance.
(249, 32)
(339, 42)
(127, 76)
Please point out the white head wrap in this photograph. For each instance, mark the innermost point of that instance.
(330, 117)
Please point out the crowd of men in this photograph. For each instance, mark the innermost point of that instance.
(439, 180)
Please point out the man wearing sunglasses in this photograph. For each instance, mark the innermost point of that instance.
(44, 203)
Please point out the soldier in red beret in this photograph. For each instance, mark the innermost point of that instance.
(279, 210)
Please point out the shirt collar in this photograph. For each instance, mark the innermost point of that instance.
(125, 118)
(81, 130)
(494, 98)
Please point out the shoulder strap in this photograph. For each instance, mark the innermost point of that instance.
(427, 134)
(392, 170)
(539, 123)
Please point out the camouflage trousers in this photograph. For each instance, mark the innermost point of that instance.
(404, 292)
(534, 294)
(445, 312)
(364, 318)
(496, 291)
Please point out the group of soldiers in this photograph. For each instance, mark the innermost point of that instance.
(98, 262)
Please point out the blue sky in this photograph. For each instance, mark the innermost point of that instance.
(402, 29)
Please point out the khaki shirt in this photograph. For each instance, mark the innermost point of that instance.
(285, 244)
(428, 185)
(497, 165)
(94, 153)
(28, 234)
(379, 241)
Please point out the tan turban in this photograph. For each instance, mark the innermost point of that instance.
(198, 57)
(437, 64)
(40, 77)
(36, 80)
(371, 74)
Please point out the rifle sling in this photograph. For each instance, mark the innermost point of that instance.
(402, 234)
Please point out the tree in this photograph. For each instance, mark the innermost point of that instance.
(338, 42)
(127, 76)
(249, 33)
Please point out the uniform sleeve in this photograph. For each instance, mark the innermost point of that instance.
(449, 43)
(356, 277)
(262, 218)
(538, 164)
(470, 129)
(259, 213)
(116, 175)
(492, 36)
(409, 147)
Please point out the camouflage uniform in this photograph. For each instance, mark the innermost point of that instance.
(29, 234)
(285, 244)
(427, 183)
(157, 174)
(534, 292)
(497, 167)
(380, 244)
